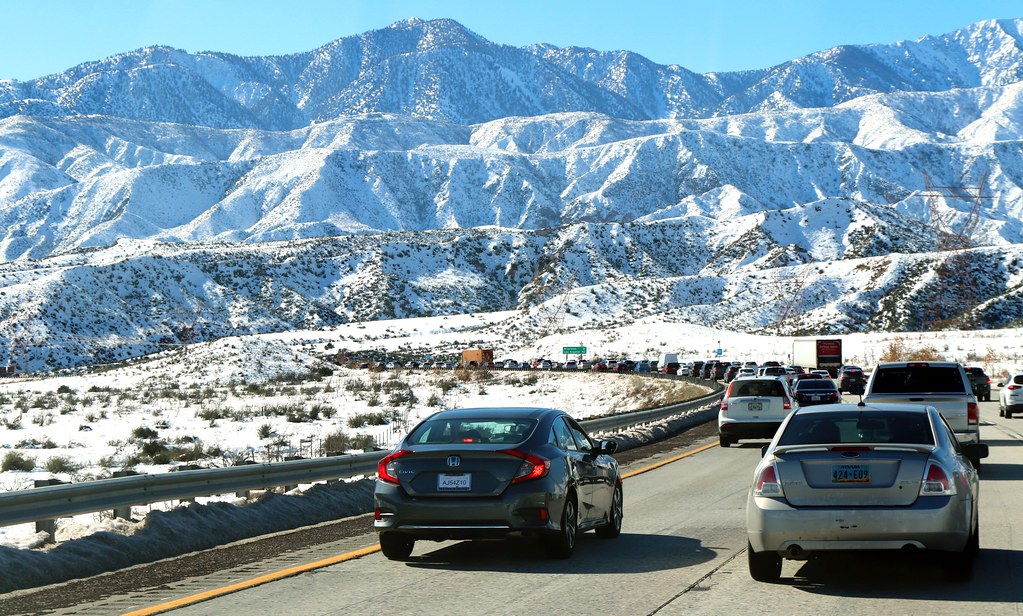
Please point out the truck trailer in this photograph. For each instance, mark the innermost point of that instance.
(818, 353)
(477, 357)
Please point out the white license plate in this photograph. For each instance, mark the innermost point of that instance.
(756, 406)
(815, 398)
(454, 482)
(850, 473)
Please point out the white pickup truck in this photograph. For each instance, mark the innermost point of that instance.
(941, 384)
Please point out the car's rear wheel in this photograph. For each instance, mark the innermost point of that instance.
(562, 545)
(763, 566)
(396, 546)
(724, 441)
(1008, 413)
(959, 565)
(613, 528)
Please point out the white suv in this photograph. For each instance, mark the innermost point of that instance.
(1011, 399)
(754, 408)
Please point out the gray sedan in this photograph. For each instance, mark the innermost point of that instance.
(495, 473)
(863, 477)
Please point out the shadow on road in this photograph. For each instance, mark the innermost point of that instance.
(914, 577)
(629, 553)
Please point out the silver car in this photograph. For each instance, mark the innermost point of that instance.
(863, 477)
(491, 473)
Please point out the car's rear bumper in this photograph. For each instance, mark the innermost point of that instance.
(932, 523)
(747, 429)
(516, 512)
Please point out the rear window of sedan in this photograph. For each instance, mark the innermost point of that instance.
(816, 385)
(858, 427)
(443, 431)
(742, 389)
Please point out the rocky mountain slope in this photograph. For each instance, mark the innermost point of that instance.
(159, 197)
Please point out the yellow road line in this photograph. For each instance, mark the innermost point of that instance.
(293, 571)
(263, 579)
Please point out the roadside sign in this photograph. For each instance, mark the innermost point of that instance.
(573, 350)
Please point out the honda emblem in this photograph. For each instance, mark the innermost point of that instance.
(454, 460)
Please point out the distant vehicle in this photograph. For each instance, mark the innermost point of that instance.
(493, 473)
(980, 383)
(771, 371)
(477, 356)
(643, 366)
(816, 390)
(696, 370)
(1010, 400)
(626, 365)
(668, 363)
(892, 475)
(850, 377)
(820, 353)
(571, 365)
(499, 364)
(731, 373)
(511, 364)
(823, 373)
(753, 408)
(584, 365)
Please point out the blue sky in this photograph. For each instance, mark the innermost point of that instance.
(41, 37)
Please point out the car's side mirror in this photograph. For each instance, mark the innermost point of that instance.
(608, 447)
(1000, 384)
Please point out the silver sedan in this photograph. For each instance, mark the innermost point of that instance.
(863, 477)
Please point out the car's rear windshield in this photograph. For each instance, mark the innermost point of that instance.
(922, 379)
(473, 431)
(858, 427)
(771, 387)
(816, 384)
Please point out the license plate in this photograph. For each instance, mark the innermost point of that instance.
(815, 398)
(850, 473)
(756, 407)
(454, 482)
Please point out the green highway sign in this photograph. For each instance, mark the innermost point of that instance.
(573, 350)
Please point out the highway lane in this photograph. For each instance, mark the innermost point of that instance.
(681, 551)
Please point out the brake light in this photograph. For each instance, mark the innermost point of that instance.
(936, 482)
(786, 403)
(532, 467)
(728, 394)
(973, 414)
(767, 483)
(918, 365)
(385, 467)
(1014, 386)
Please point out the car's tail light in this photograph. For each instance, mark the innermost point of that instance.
(786, 403)
(936, 482)
(728, 394)
(385, 467)
(767, 483)
(1014, 386)
(532, 467)
(973, 414)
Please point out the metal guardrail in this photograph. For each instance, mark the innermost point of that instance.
(43, 504)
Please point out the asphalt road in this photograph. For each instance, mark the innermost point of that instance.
(682, 551)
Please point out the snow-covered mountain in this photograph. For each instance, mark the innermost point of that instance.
(159, 196)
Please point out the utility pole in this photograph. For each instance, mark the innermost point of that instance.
(951, 299)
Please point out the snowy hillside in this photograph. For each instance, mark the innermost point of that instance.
(159, 197)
